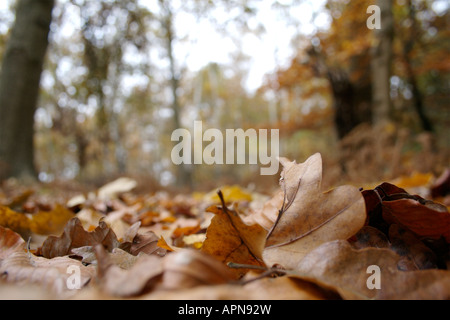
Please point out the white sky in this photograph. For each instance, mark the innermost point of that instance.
(267, 52)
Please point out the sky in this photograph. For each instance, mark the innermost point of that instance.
(268, 51)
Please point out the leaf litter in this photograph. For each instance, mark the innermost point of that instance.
(301, 242)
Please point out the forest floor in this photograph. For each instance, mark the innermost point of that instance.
(384, 241)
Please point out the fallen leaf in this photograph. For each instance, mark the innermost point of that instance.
(112, 189)
(370, 237)
(279, 288)
(441, 187)
(25, 268)
(388, 204)
(146, 243)
(15, 221)
(415, 252)
(118, 256)
(141, 278)
(229, 239)
(50, 222)
(74, 236)
(336, 263)
(10, 242)
(188, 268)
(267, 215)
(230, 193)
(164, 245)
(424, 220)
(309, 217)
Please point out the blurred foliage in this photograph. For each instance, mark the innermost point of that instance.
(106, 108)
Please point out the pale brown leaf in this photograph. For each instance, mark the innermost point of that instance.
(309, 217)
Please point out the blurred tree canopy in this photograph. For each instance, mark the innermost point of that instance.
(116, 83)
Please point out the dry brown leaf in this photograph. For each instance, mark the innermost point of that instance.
(268, 214)
(117, 256)
(146, 243)
(141, 278)
(74, 236)
(426, 220)
(309, 217)
(10, 242)
(338, 264)
(188, 268)
(229, 239)
(388, 204)
(415, 253)
(280, 288)
(370, 237)
(24, 268)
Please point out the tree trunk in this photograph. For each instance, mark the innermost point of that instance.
(183, 174)
(407, 49)
(381, 64)
(19, 86)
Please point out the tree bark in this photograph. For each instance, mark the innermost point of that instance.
(381, 64)
(407, 49)
(183, 174)
(19, 86)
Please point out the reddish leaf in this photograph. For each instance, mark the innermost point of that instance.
(419, 218)
(74, 236)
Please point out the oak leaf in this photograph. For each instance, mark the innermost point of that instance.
(74, 236)
(308, 217)
(229, 239)
(140, 278)
(338, 264)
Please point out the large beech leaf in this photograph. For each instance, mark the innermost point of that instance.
(337, 264)
(309, 217)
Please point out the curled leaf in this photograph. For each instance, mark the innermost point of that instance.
(309, 217)
(74, 236)
(10, 242)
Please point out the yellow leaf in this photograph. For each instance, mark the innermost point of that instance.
(163, 244)
(230, 194)
(417, 179)
(50, 222)
(13, 220)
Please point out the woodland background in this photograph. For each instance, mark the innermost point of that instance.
(100, 95)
